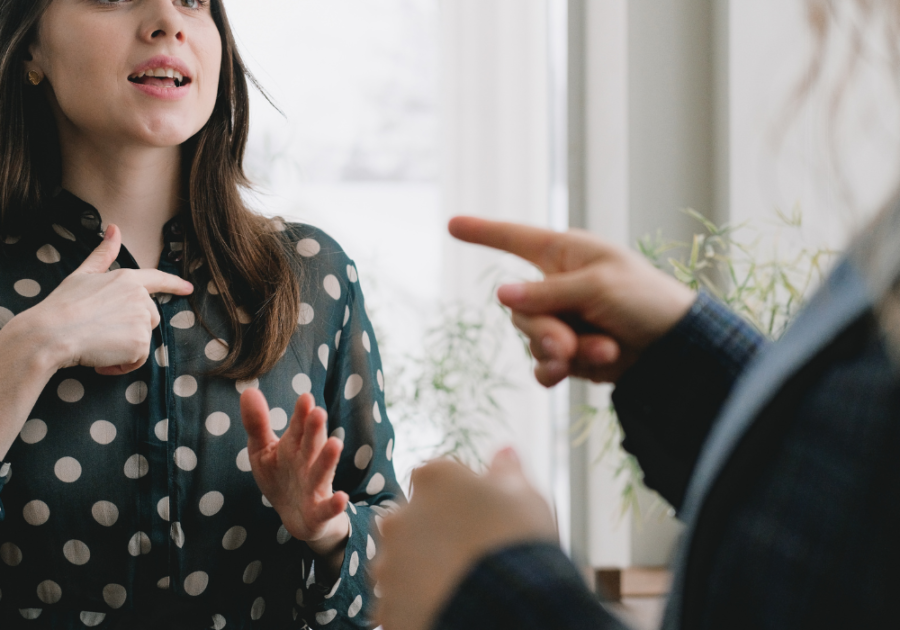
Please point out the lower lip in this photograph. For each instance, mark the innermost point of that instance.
(165, 94)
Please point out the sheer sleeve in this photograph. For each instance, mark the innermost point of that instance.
(354, 399)
(5, 474)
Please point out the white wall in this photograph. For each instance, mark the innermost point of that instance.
(496, 164)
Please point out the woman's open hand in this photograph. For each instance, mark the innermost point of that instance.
(598, 307)
(104, 319)
(295, 472)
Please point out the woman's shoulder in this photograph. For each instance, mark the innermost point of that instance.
(312, 243)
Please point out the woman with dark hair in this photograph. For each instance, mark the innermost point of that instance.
(144, 309)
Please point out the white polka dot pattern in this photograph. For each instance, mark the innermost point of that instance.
(307, 314)
(379, 376)
(332, 286)
(27, 288)
(363, 457)
(185, 458)
(136, 466)
(177, 534)
(185, 386)
(36, 512)
(196, 583)
(353, 386)
(258, 609)
(243, 316)
(30, 613)
(161, 430)
(366, 342)
(92, 619)
(376, 484)
(5, 316)
(63, 232)
(105, 513)
(162, 356)
(67, 469)
(323, 355)
(136, 393)
(390, 449)
(308, 247)
(352, 275)
(334, 589)
(10, 554)
(251, 573)
(139, 545)
(283, 535)
(278, 418)
(242, 386)
(211, 503)
(234, 538)
(218, 622)
(34, 431)
(216, 350)
(70, 391)
(376, 412)
(114, 595)
(103, 432)
(355, 606)
(354, 564)
(162, 508)
(326, 617)
(163, 583)
(243, 460)
(370, 547)
(218, 423)
(184, 320)
(339, 433)
(76, 552)
(48, 255)
(302, 384)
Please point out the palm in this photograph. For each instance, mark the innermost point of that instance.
(295, 472)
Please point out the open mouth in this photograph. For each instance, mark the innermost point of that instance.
(160, 77)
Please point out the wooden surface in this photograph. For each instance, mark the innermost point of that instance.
(616, 584)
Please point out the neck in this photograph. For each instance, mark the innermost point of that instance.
(136, 187)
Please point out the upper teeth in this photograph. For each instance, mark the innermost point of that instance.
(161, 72)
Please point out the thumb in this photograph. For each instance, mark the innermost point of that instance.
(105, 254)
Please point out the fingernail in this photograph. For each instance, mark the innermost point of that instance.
(511, 292)
(107, 234)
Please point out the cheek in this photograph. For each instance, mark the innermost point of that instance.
(210, 57)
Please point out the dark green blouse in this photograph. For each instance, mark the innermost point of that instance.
(127, 494)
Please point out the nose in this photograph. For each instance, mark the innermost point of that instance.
(163, 21)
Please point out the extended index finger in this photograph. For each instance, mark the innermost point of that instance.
(531, 243)
(156, 281)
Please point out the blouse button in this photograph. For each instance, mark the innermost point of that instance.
(175, 228)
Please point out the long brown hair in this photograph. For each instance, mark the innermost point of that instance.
(247, 258)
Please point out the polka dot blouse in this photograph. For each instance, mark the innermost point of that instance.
(125, 495)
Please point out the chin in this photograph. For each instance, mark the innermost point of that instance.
(168, 133)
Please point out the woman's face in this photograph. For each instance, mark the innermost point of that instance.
(112, 68)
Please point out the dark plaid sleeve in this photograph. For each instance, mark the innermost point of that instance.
(668, 400)
(525, 587)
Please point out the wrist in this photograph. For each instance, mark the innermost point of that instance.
(33, 344)
(334, 540)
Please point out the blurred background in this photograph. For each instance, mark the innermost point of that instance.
(608, 115)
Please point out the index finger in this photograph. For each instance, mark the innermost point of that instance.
(156, 281)
(527, 242)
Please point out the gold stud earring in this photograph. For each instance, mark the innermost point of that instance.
(34, 77)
